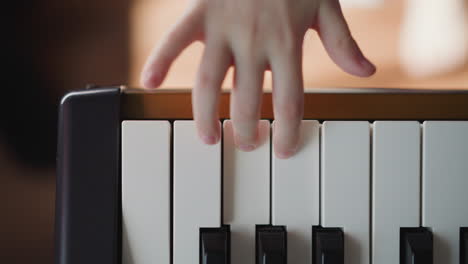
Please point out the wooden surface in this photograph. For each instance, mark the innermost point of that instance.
(319, 104)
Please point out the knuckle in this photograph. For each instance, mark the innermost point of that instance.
(249, 45)
(252, 38)
(287, 39)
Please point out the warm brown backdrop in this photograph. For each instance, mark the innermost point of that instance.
(48, 47)
(376, 30)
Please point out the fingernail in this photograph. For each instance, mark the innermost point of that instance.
(366, 64)
(148, 79)
(285, 155)
(210, 140)
(246, 147)
(145, 78)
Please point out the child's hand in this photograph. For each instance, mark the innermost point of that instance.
(254, 36)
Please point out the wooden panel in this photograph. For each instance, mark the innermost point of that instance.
(321, 104)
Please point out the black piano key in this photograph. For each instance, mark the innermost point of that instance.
(328, 245)
(271, 244)
(416, 246)
(464, 245)
(215, 245)
(88, 164)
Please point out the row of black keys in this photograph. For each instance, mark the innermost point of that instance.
(271, 244)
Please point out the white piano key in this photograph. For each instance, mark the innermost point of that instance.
(197, 191)
(246, 192)
(146, 192)
(445, 186)
(396, 186)
(295, 193)
(345, 184)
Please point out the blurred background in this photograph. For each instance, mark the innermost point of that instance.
(51, 47)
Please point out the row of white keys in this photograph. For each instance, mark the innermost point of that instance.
(345, 185)
(295, 193)
(146, 192)
(345, 193)
(445, 186)
(246, 191)
(396, 186)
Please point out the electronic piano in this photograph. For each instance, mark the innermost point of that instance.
(381, 177)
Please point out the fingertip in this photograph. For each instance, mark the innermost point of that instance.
(284, 155)
(368, 68)
(209, 139)
(285, 152)
(246, 147)
(209, 135)
(352, 60)
(365, 67)
(245, 144)
(150, 79)
(285, 147)
(360, 66)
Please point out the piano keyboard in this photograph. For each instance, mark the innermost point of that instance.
(375, 181)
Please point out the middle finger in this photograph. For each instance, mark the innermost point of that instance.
(246, 98)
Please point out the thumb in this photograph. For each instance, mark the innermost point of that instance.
(338, 41)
